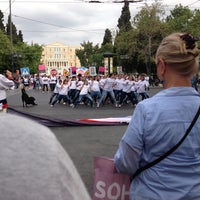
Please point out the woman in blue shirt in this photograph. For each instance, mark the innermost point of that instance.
(158, 123)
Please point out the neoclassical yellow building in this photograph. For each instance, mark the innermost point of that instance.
(58, 56)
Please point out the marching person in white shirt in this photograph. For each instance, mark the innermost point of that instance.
(63, 93)
(45, 83)
(108, 90)
(72, 88)
(118, 87)
(84, 93)
(126, 91)
(52, 82)
(56, 90)
(95, 92)
(142, 86)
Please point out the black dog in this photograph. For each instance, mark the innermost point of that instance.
(26, 99)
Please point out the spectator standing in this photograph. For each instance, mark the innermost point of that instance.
(34, 165)
(6, 83)
(159, 123)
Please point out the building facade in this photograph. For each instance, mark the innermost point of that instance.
(59, 57)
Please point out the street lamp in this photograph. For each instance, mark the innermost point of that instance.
(11, 37)
(149, 56)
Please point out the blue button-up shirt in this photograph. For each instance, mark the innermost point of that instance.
(158, 123)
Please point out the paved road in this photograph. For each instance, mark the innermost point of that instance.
(82, 143)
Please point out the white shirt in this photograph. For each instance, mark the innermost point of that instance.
(79, 85)
(127, 86)
(5, 84)
(57, 88)
(141, 86)
(108, 85)
(85, 89)
(64, 89)
(53, 80)
(95, 86)
(72, 85)
(45, 80)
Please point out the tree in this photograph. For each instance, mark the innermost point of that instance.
(124, 23)
(20, 36)
(86, 53)
(2, 27)
(4, 51)
(194, 23)
(107, 37)
(182, 19)
(148, 38)
(27, 56)
(179, 19)
(16, 37)
(120, 43)
(125, 48)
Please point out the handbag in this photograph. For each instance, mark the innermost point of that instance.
(141, 169)
(108, 183)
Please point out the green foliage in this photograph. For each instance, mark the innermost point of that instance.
(124, 23)
(27, 56)
(86, 53)
(107, 37)
(2, 27)
(4, 51)
(22, 55)
(148, 39)
(179, 19)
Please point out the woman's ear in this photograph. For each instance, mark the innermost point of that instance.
(161, 68)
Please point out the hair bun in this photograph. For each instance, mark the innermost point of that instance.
(190, 41)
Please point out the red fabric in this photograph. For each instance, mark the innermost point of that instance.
(5, 106)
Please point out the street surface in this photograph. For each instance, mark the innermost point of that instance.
(81, 142)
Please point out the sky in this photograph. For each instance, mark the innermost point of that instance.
(72, 21)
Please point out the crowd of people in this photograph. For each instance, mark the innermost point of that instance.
(93, 90)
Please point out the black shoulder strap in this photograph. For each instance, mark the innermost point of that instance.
(171, 150)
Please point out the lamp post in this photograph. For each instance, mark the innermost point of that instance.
(11, 37)
(108, 62)
(149, 56)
